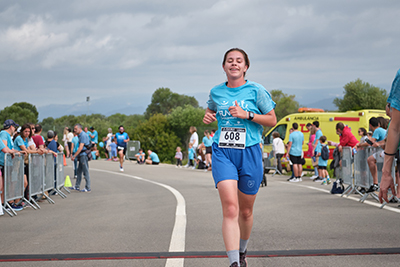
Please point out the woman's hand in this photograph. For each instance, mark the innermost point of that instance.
(209, 117)
(237, 111)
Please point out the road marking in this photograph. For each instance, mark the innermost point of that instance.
(352, 198)
(178, 237)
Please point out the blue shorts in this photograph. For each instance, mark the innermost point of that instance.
(242, 165)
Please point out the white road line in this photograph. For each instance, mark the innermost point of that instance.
(352, 198)
(178, 237)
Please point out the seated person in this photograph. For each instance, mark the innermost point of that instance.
(141, 156)
(201, 160)
(152, 159)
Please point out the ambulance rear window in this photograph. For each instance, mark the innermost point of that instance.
(281, 129)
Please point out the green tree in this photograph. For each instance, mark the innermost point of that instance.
(164, 100)
(21, 114)
(361, 95)
(285, 104)
(156, 134)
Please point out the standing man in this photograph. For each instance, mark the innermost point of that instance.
(295, 149)
(94, 136)
(122, 138)
(83, 164)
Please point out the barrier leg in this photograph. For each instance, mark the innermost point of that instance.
(8, 212)
(48, 199)
(61, 194)
(10, 209)
(29, 203)
(66, 189)
(34, 203)
(348, 188)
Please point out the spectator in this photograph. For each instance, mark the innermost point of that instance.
(287, 157)
(178, 156)
(346, 137)
(152, 159)
(95, 152)
(7, 146)
(94, 136)
(38, 139)
(322, 163)
(363, 133)
(279, 149)
(295, 149)
(318, 134)
(212, 132)
(113, 149)
(87, 132)
(378, 135)
(201, 160)
(122, 138)
(141, 157)
(82, 155)
(207, 142)
(194, 139)
(392, 145)
(108, 139)
(191, 156)
(372, 159)
(70, 135)
(383, 123)
(74, 148)
(51, 144)
(310, 152)
(65, 140)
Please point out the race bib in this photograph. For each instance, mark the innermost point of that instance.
(232, 138)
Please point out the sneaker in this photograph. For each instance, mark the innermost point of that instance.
(300, 180)
(15, 207)
(373, 188)
(75, 177)
(243, 260)
(318, 179)
(328, 181)
(121, 169)
(235, 264)
(86, 190)
(294, 180)
(313, 177)
(323, 182)
(328, 176)
(74, 188)
(289, 179)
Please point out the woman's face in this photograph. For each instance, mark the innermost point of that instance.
(26, 133)
(360, 133)
(235, 65)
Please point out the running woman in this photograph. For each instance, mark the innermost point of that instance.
(242, 108)
(122, 138)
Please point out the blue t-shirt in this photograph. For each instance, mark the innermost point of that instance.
(379, 134)
(191, 153)
(120, 138)
(18, 142)
(75, 141)
(207, 142)
(318, 134)
(251, 97)
(83, 138)
(154, 157)
(4, 135)
(318, 149)
(52, 146)
(297, 139)
(113, 147)
(95, 137)
(394, 95)
(141, 156)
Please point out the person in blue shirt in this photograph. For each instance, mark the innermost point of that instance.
(191, 153)
(242, 108)
(94, 136)
(392, 143)
(207, 142)
(83, 164)
(152, 159)
(122, 138)
(295, 150)
(74, 148)
(141, 156)
(322, 164)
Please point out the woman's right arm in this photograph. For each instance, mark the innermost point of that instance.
(209, 117)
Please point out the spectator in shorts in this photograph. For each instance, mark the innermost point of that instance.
(178, 156)
(141, 156)
(122, 138)
(322, 163)
(113, 150)
(372, 159)
(70, 135)
(378, 133)
(152, 159)
(107, 140)
(207, 142)
(279, 149)
(295, 149)
(7, 146)
(94, 136)
(65, 140)
(74, 148)
(190, 156)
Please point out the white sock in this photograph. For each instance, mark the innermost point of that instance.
(233, 256)
(243, 245)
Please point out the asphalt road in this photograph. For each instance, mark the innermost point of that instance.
(131, 219)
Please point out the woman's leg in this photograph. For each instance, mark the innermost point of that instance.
(228, 193)
(246, 203)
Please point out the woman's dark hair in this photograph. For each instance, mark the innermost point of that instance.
(26, 126)
(246, 58)
(364, 132)
(383, 122)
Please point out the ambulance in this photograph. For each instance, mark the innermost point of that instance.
(327, 123)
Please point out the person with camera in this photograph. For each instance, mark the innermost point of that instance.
(83, 162)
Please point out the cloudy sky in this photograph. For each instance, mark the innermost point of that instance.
(59, 52)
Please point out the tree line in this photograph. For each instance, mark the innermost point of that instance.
(165, 123)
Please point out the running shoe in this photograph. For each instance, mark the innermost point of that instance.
(235, 264)
(74, 188)
(86, 190)
(313, 177)
(373, 188)
(243, 260)
(294, 180)
(323, 182)
(318, 179)
(328, 181)
(121, 169)
(15, 207)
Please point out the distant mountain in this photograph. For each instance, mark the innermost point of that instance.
(106, 106)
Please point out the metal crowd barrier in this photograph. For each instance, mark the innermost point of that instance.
(270, 162)
(362, 175)
(36, 174)
(132, 148)
(60, 180)
(13, 181)
(49, 173)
